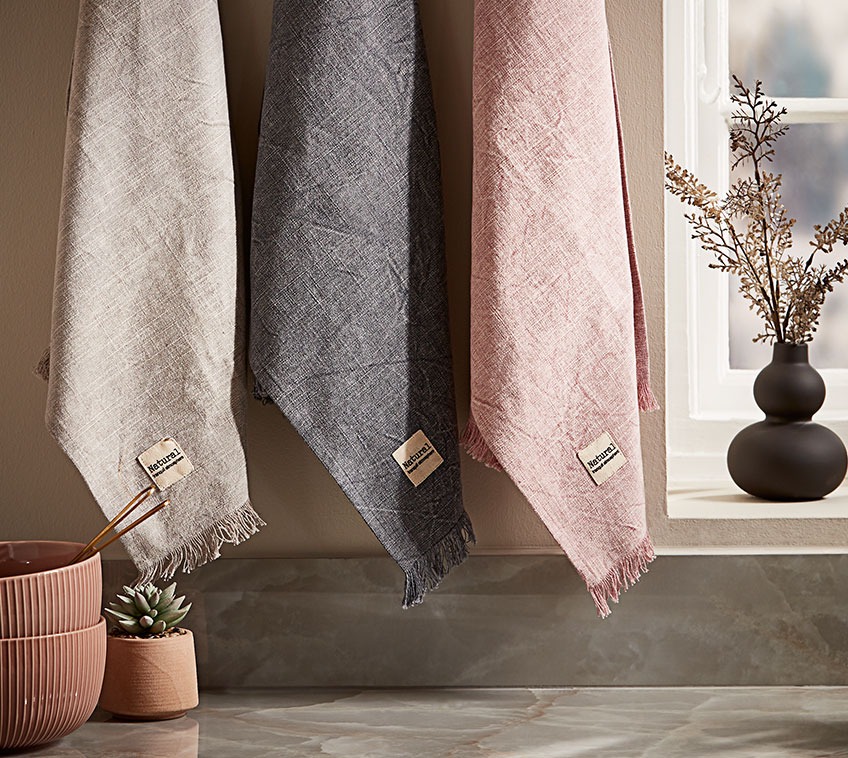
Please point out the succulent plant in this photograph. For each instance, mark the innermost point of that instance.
(146, 610)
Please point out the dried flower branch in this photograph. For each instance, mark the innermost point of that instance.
(749, 231)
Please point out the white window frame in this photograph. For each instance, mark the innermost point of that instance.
(707, 401)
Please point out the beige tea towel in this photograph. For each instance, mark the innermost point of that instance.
(147, 340)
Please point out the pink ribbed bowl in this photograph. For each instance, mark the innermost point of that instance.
(49, 685)
(40, 594)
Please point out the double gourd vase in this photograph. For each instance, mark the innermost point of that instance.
(788, 456)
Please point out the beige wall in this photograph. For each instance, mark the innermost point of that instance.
(42, 495)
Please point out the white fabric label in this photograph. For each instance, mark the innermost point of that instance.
(601, 458)
(418, 458)
(165, 463)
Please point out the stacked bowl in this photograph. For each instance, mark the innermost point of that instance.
(52, 641)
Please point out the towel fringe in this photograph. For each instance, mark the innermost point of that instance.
(475, 445)
(622, 576)
(43, 367)
(429, 570)
(647, 401)
(203, 547)
(260, 394)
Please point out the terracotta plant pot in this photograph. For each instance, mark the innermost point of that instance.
(41, 594)
(150, 679)
(49, 684)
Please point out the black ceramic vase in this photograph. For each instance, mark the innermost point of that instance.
(788, 456)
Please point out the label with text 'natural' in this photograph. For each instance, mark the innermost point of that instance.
(165, 463)
(601, 458)
(418, 458)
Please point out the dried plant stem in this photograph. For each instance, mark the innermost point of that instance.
(775, 297)
(787, 291)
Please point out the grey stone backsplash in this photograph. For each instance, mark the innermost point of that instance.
(516, 621)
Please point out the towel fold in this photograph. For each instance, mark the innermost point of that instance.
(147, 335)
(349, 331)
(559, 364)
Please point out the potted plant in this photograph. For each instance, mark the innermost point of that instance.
(151, 672)
(749, 233)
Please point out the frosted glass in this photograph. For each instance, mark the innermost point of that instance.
(796, 47)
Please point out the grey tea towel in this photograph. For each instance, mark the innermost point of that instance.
(147, 340)
(349, 330)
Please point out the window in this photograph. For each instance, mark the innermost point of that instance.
(797, 48)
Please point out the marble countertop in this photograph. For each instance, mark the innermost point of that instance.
(743, 722)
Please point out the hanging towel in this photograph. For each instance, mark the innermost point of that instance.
(559, 365)
(349, 320)
(147, 342)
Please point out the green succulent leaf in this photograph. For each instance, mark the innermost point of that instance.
(172, 618)
(118, 615)
(167, 596)
(159, 627)
(130, 626)
(141, 603)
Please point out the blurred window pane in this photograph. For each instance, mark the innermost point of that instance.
(798, 48)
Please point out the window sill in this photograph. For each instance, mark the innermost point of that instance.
(725, 501)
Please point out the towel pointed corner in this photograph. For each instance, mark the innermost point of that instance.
(426, 573)
(623, 575)
(475, 445)
(204, 546)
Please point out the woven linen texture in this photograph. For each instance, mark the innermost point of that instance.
(558, 347)
(146, 339)
(349, 322)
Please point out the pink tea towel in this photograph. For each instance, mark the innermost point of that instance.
(559, 365)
